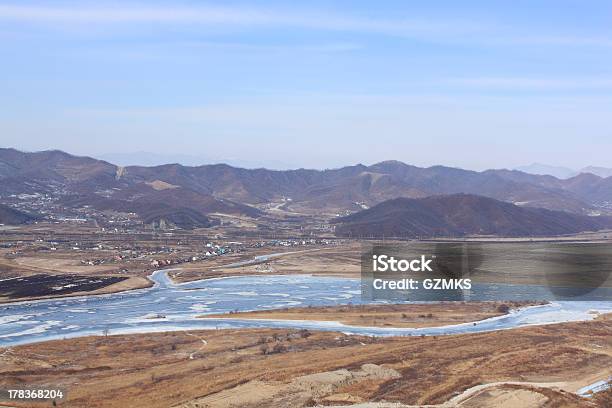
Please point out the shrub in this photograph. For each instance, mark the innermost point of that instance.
(503, 308)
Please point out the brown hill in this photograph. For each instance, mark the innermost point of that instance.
(329, 190)
(161, 216)
(46, 169)
(591, 188)
(11, 216)
(83, 181)
(337, 189)
(460, 215)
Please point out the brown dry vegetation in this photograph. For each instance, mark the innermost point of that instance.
(280, 368)
(413, 315)
(341, 261)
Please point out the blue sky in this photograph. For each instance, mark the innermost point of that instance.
(474, 84)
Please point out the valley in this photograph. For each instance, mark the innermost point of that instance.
(328, 204)
(240, 287)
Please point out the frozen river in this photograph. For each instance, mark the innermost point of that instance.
(169, 306)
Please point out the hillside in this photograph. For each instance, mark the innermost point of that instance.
(10, 216)
(76, 182)
(161, 216)
(461, 215)
(338, 189)
(227, 189)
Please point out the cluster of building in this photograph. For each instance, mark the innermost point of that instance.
(213, 250)
(210, 250)
(148, 252)
(49, 206)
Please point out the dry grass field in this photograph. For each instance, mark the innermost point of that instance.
(413, 315)
(537, 366)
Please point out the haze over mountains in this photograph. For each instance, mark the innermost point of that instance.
(187, 195)
(158, 159)
(564, 172)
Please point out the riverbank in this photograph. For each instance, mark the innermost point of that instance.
(257, 263)
(69, 285)
(398, 315)
(279, 367)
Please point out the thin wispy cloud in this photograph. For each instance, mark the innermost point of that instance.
(134, 14)
(532, 83)
(324, 47)
(229, 15)
(565, 40)
(473, 30)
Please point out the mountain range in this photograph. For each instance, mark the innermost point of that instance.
(564, 172)
(157, 159)
(460, 215)
(195, 192)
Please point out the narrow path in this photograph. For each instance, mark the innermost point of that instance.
(204, 343)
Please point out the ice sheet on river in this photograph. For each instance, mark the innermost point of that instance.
(180, 304)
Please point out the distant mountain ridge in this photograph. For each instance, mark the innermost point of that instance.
(221, 188)
(598, 171)
(547, 170)
(460, 215)
(342, 188)
(564, 172)
(157, 159)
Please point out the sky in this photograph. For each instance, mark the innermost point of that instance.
(317, 84)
